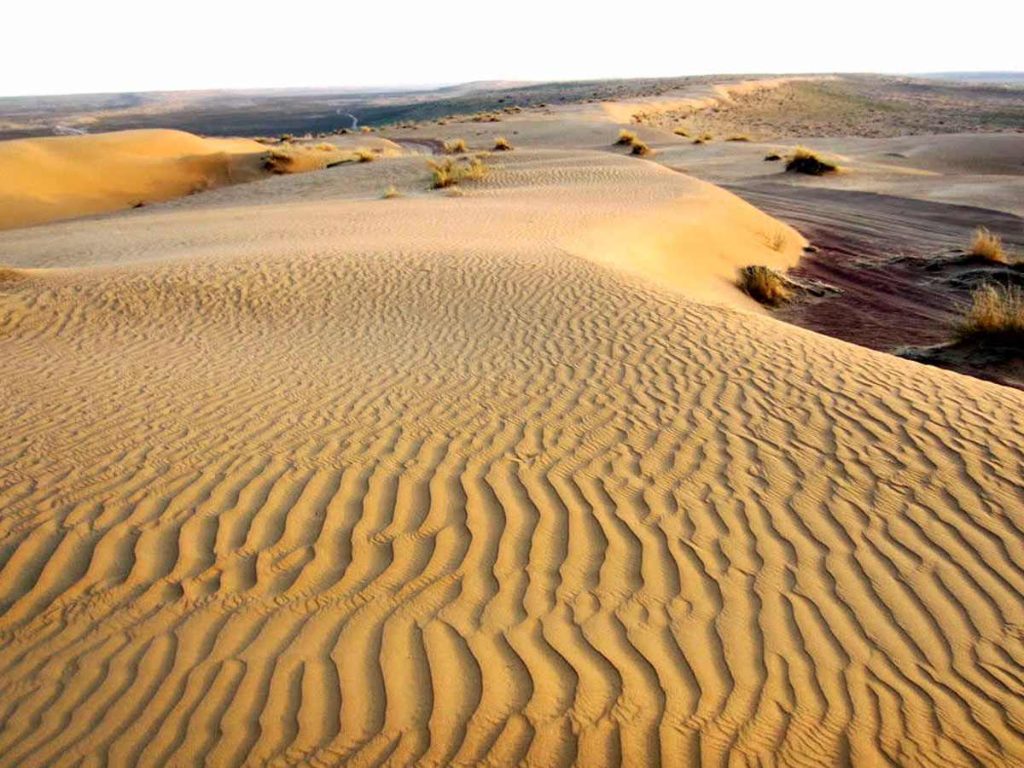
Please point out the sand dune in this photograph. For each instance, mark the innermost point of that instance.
(294, 475)
(63, 177)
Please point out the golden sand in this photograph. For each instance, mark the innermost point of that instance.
(294, 475)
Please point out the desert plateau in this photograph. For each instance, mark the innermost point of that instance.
(646, 422)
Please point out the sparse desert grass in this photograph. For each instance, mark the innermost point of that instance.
(277, 161)
(456, 147)
(391, 193)
(365, 155)
(996, 315)
(449, 173)
(776, 240)
(501, 144)
(988, 246)
(626, 137)
(764, 285)
(804, 160)
(641, 149)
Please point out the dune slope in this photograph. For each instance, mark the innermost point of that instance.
(61, 177)
(335, 480)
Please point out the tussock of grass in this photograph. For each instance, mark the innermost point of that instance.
(365, 155)
(681, 132)
(449, 173)
(772, 157)
(764, 285)
(391, 193)
(988, 246)
(806, 161)
(640, 148)
(456, 147)
(277, 161)
(776, 240)
(996, 315)
(626, 137)
(501, 144)
(366, 129)
(325, 147)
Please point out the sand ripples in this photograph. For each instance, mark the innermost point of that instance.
(464, 508)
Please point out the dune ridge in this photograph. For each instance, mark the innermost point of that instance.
(410, 482)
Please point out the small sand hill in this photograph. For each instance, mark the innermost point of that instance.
(64, 176)
(293, 475)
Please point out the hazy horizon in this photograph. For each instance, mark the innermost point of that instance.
(111, 47)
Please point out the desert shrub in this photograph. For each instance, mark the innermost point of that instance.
(449, 173)
(277, 161)
(640, 148)
(987, 246)
(805, 161)
(456, 147)
(764, 284)
(626, 137)
(501, 144)
(996, 315)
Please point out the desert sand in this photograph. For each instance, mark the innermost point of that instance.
(294, 475)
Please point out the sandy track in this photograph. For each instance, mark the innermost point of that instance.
(336, 480)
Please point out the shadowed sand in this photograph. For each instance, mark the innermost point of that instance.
(294, 475)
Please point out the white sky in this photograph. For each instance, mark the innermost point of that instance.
(81, 46)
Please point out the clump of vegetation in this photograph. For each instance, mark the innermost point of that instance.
(450, 173)
(325, 147)
(456, 147)
(805, 161)
(640, 149)
(987, 246)
(996, 315)
(277, 161)
(681, 132)
(391, 193)
(501, 145)
(626, 138)
(776, 240)
(764, 285)
(365, 155)
(739, 137)
(366, 129)
(286, 138)
(772, 157)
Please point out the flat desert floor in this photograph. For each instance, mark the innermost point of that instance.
(291, 474)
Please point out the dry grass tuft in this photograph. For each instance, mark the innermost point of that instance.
(277, 161)
(626, 137)
(641, 149)
(456, 147)
(391, 193)
(776, 240)
(681, 132)
(501, 144)
(996, 315)
(325, 147)
(450, 173)
(772, 157)
(988, 246)
(806, 161)
(365, 155)
(764, 285)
